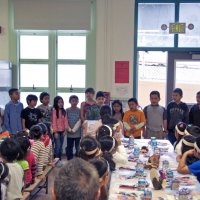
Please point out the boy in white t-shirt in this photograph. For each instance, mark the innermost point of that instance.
(9, 151)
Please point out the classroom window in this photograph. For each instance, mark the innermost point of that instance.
(71, 76)
(72, 47)
(187, 78)
(34, 47)
(152, 73)
(189, 14)
(151, 16)
(34, 75)
(52, 61)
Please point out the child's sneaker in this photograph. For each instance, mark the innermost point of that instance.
(59, 164)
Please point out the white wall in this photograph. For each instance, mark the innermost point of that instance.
(114, 42)
(4, 35)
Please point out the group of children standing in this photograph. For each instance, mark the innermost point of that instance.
(94, 130)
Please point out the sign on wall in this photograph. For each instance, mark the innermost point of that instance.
(121, 71)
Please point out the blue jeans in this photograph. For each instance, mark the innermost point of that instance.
(171, 136)
(70, 146)
(58, 145)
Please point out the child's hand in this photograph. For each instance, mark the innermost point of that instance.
(64, 133)
(190, 152)
(133, 129)
(55, 135)
(117, 137)
(52, 164)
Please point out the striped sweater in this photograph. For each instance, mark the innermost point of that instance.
(48, 154)
(38, 150)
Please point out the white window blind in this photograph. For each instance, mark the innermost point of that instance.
(52, 14)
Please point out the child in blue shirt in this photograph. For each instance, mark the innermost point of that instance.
(12, 113)
(194, 168)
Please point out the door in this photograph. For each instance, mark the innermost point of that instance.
(183, 72)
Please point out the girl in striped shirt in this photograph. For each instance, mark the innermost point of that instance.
(38, 149)
(59, 125)
(48, 145)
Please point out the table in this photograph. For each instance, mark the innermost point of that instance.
(118, 177)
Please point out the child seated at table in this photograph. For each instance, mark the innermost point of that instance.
(193, 130)
(48, 145)
(103, 131)
(179, 133)
(187, 144)
(89, 148)
(103, 170)
(9, 150)
(117, 126)
(38, 149)
(111, 145)
(25, 144)
(21, 160)
(193, 168)
(4, 180)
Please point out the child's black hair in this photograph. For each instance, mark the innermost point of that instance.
(44, 94)
(119, 103)
(55, 105)
(155, 92)
(105, 110)
(35, 132)
(103, 131)
(100, 94)
(9, 149)
(107, 147)
(24, 146)
(87, 145)
(108, 156)
(110, 121)
(73, 97)
(12, 90)
(180, 127)
(43, 127)
(178, 91)
(193, 130)
(31, 97)
(189, 139)
(4, 171)
(107, 143)
(90, 90)
(101, 165)
(198, 93)
(133, 100)
(185, 147)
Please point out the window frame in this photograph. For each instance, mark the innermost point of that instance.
(52, 62)
(70, 62)
(176, 48)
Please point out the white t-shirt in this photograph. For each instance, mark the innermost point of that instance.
(16, 174)
(120, 157)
